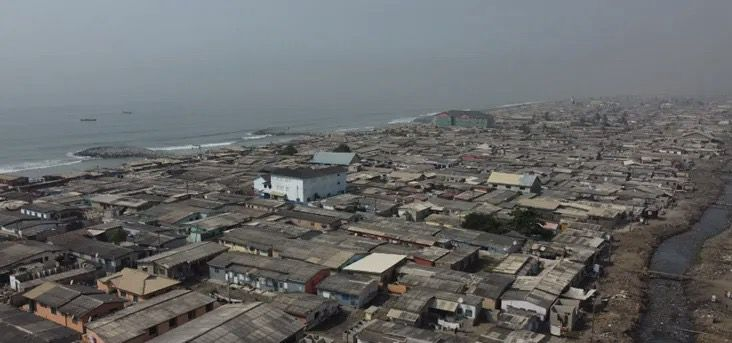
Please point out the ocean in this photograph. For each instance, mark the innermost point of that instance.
(42, 140)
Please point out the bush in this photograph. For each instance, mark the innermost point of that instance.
(482, 222)
(342, 148)
(527, 223)
(289, 150)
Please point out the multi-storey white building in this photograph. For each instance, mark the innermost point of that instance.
(302, 184)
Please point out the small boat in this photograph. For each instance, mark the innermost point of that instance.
(88, 119)
(126, 112)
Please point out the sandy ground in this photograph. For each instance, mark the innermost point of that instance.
(712, 275)
(623, 285)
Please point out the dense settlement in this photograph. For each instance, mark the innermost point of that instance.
(480, 227)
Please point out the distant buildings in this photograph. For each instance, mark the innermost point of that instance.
(464, 119)
(334, 158)
(302, 184)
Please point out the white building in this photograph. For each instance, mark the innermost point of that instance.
(302, 184)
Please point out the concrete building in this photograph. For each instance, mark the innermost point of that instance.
(71, 306)
(19, 326)
(302, 184)
(267, 273)
(377, 265)
(350, 290)
(458, 118)
(111, 257)
(16, 254)
(184, 262)
(310, 309)
(51, 211)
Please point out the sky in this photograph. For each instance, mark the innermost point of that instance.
(373, 55)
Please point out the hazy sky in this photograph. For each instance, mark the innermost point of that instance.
(373, 55)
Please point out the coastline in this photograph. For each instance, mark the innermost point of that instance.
(66, 162)
(624, 284)
(72, 162)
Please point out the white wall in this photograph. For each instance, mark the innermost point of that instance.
(525, 305)
(289, 186)
(324, 186)
(303, 189)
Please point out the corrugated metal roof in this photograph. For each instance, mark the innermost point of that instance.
(135, 320)
(333, 158)
(523, 180)
(254, 322)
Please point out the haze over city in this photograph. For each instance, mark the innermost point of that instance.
(370, 55)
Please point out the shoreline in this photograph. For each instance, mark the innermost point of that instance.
(623, 283)
(254, 137)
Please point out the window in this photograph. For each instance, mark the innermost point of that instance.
(173, 323)
(191, 315)
(153, 331)
(209, 307)
(53, 310)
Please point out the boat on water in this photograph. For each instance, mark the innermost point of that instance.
(126, 112)
(88, 119)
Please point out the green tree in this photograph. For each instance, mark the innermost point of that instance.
(482, 222)
(343, 147)
(527, 222)
(289, 150)
(117, 236)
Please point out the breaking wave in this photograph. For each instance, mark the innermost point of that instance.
(191, 146)
(353, 129)
(251, 136)
(25, 166)
(406, 120)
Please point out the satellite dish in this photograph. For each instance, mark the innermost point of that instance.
(460, 300)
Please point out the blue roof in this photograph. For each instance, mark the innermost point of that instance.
(333, 158)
